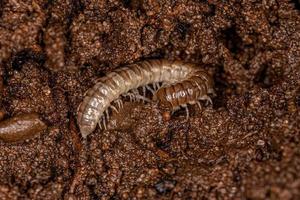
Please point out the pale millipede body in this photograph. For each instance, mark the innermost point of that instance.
(182, 83)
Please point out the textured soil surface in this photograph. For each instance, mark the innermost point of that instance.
(244, 146)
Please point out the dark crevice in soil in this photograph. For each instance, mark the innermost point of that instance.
(232, 40)
(212, 11)
(182, 28)
(26, 55)
(296, 3)
(77, 8)
(1, 7)
(262, 77)
(221, 86)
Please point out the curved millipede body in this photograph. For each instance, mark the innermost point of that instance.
(183, 83)
(21, 127)
(194, 88)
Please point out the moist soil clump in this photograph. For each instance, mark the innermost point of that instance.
(244, 146)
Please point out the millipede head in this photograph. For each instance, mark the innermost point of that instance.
(161, 98)
(86, 129)
(166, 115)
(164, 105)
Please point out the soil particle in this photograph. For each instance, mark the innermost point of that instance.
(29, 90)
(21, 127)
(21, 23)
(244, 146)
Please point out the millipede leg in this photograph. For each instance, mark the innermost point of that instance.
(154, 86)
(135, 91)
(130, 95)
(142, 98)
(199, 105)
(77, 110)
(99, 123)
(157, 86)
(119, 103)
(187, 112)
(114, 108)
(212, 91)
(131, 98)
(107, 114)
(207, 99)
(144, 91)
(149, 88)
(104, 123)
(136, 97)
(198, 86)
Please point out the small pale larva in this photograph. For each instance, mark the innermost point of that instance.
(183, 83)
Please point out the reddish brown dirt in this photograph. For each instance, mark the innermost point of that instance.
(245, 146)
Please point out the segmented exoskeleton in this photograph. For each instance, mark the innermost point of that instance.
(189, 91)
(183, 83)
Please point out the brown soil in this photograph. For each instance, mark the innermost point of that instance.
(245, 146)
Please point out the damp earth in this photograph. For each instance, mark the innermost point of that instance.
(246, 145)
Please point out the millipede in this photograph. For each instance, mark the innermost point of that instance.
(175, 84)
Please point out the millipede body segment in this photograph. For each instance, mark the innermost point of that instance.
(183, 83)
